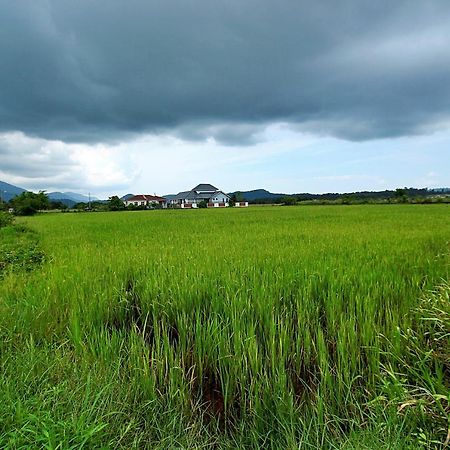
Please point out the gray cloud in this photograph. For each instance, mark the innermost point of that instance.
(231, 134)
(37, 163)
(32, 158)
(99, 71)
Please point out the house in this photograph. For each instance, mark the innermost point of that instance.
(213, 197)
(146, 201)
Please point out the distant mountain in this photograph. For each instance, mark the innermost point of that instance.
(258, 194)
(66, 201)
(8, 191)
(126, 197)
(70, 196)
(57, 196)
(264, 196)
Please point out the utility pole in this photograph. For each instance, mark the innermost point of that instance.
(89, 201)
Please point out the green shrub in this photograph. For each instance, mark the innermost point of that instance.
(25, 210)
(5, 219)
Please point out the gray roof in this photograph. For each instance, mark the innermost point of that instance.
(220, 192)
(192, 195)
(181, 195)
(204, 187)
(202, 196)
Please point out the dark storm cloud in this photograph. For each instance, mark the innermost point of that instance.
(94, 71)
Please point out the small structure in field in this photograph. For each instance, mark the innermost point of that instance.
(241, 204)
(202, 194)
(146, 201)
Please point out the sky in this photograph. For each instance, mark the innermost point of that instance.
(143, 96)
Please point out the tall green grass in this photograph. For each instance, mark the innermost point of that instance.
(251, 328)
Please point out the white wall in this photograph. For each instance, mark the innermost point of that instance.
(220, 197)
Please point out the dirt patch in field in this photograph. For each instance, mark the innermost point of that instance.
(304, 380)
(208, 400)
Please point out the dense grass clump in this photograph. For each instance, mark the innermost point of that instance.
(6, 219)
(19, 247)
(303, 327)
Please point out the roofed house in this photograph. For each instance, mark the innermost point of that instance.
(146, 200)
(203, 192)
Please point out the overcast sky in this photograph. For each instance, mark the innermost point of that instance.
(146, 96)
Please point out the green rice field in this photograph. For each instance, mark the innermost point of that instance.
(272, 327)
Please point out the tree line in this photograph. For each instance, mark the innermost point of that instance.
(399, 195)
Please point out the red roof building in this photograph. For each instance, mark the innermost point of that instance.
(145, 200)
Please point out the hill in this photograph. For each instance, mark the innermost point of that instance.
(70, 196)
(264, 196)
(8, 191)
(126, 197)
(258, 194)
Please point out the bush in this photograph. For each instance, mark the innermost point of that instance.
(5, 219)
(25, 210)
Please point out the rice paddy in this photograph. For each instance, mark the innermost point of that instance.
(269, 327)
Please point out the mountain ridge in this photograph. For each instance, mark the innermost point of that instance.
(70, 196)
(9, 191)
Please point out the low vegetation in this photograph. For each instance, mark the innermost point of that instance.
(236, 328)
(19, 247)
(6, 219)
(416, 370)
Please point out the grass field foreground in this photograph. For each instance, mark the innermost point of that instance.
(297, 327)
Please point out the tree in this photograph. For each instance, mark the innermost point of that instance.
(115, 204)
(154, 205)
(400, 195)
(81, 206)
(203, 204)
(236, 197)
(289, 201)
(29, 203)
(57, 205)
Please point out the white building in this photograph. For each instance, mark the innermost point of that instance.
(208, 193)
(146, 200)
